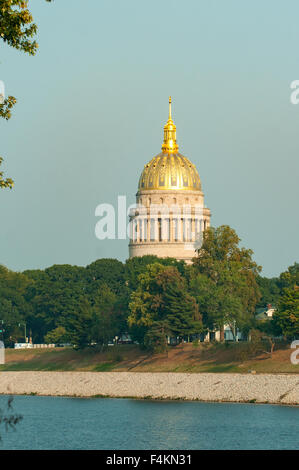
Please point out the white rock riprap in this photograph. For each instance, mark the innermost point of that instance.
(260, 388)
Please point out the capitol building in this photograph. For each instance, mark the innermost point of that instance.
(170, 216)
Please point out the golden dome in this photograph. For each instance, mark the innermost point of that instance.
(170, 169)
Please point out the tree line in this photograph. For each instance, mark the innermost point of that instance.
(148, 297)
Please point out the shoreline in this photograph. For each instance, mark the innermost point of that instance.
(282, 389)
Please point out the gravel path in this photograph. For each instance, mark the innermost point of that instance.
(264, 388)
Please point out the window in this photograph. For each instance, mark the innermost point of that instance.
(160, 230)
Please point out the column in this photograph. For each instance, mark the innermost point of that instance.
(131, 230)
(171, 228)
(166, 228)
(137, 231)
(197, 228)
(193, 230)
(148, 229)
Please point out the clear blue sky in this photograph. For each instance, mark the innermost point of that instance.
(91, 108)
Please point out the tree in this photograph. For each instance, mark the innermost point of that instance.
(287, 315)
(16, 25)
(104, 319)
(14, 306)
(144, 302)
(109, 271)
(180, 307)
(55, 293)
(290, 278)
(53, 296)
(17, 30)
(155, 338)
(138, 265)
(79, 323)
(270, 290)
(5, 183)
(224, 281)
(162, 306)
(269, 331)
(57, 336)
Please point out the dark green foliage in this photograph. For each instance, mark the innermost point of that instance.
(79, 323)
(224, 281)
(13, 305)
(161, 306)
(148, 297)
(138, 265)
(109, 271)
(155, 338)
(270, 290)
(287, 316)
(290, 278)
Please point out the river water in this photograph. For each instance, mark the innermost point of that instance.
(73, 423)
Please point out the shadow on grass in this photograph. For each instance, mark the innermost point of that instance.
(104, 367)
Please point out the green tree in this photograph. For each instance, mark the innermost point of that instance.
(5, 182)
(290, 278)
(104, 317)
(79, 322)
(155, 338)
(109, 271)
(54, 296)
(270, 290)
(138, 265)
(180, 308)
(161, 306)
(14, 306)
(57, 336)
(17, 29)
(287, 316)
(224, 281)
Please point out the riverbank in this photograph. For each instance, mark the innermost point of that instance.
(185, 358)
(211, 387)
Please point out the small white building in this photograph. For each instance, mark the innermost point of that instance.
(266, 313)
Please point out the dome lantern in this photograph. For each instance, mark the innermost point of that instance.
(169, 143)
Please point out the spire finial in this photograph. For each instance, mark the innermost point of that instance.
(169, 144)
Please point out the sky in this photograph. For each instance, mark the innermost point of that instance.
(92, 105)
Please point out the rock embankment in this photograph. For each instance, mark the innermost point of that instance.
(260, 388)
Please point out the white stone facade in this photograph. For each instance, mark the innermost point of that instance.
(168, 223)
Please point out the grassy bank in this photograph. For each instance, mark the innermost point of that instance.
(229, 357)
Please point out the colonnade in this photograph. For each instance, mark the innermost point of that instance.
(159, 228)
